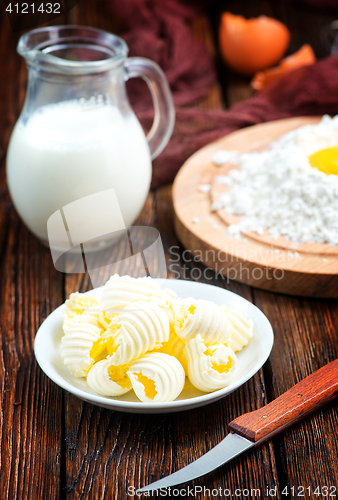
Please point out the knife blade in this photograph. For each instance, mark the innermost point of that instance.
(253, 428)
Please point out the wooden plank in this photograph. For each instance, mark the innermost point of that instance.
(235, 87)
(201, 30)
(158, 453)
(101, 446)
(207, 425)
(302, 452)
(305, 336)
(305, 339)
(30, 288)
(107, 451)
(104, 448)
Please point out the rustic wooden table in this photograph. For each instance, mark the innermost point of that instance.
(55, 446)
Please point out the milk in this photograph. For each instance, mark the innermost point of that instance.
(70, 150)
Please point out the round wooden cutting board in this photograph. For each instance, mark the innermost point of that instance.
(260, 261)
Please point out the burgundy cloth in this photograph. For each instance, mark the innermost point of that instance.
(160, 31)
(311, 90)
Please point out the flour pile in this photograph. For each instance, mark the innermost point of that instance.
(278, 190)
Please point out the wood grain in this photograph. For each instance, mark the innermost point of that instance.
(305, 331)
(54, 445)
(31, 405)
(305, 339)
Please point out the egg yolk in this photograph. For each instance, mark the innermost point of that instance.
(148, 384)
(325, 160)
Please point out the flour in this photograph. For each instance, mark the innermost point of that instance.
(225, 156)
(204, 188)
(278, 190)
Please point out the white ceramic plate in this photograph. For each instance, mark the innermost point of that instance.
(48, 354)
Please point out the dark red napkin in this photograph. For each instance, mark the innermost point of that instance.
(160, 31)
(311, 90)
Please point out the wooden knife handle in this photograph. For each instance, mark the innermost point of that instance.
(306, 396)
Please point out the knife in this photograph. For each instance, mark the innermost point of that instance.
(252, 429)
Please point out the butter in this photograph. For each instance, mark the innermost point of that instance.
(109, 380)
(76, 345)
(146, 339)
(92, 316)
(120, 291)
(241, 329)
(140, 327)
(210, 368)
(156, 377)
(175, 347)
(77, 304)
(201, 317)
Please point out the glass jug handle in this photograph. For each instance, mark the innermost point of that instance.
(164, 118)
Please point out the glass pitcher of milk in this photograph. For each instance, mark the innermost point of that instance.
(77, 134)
